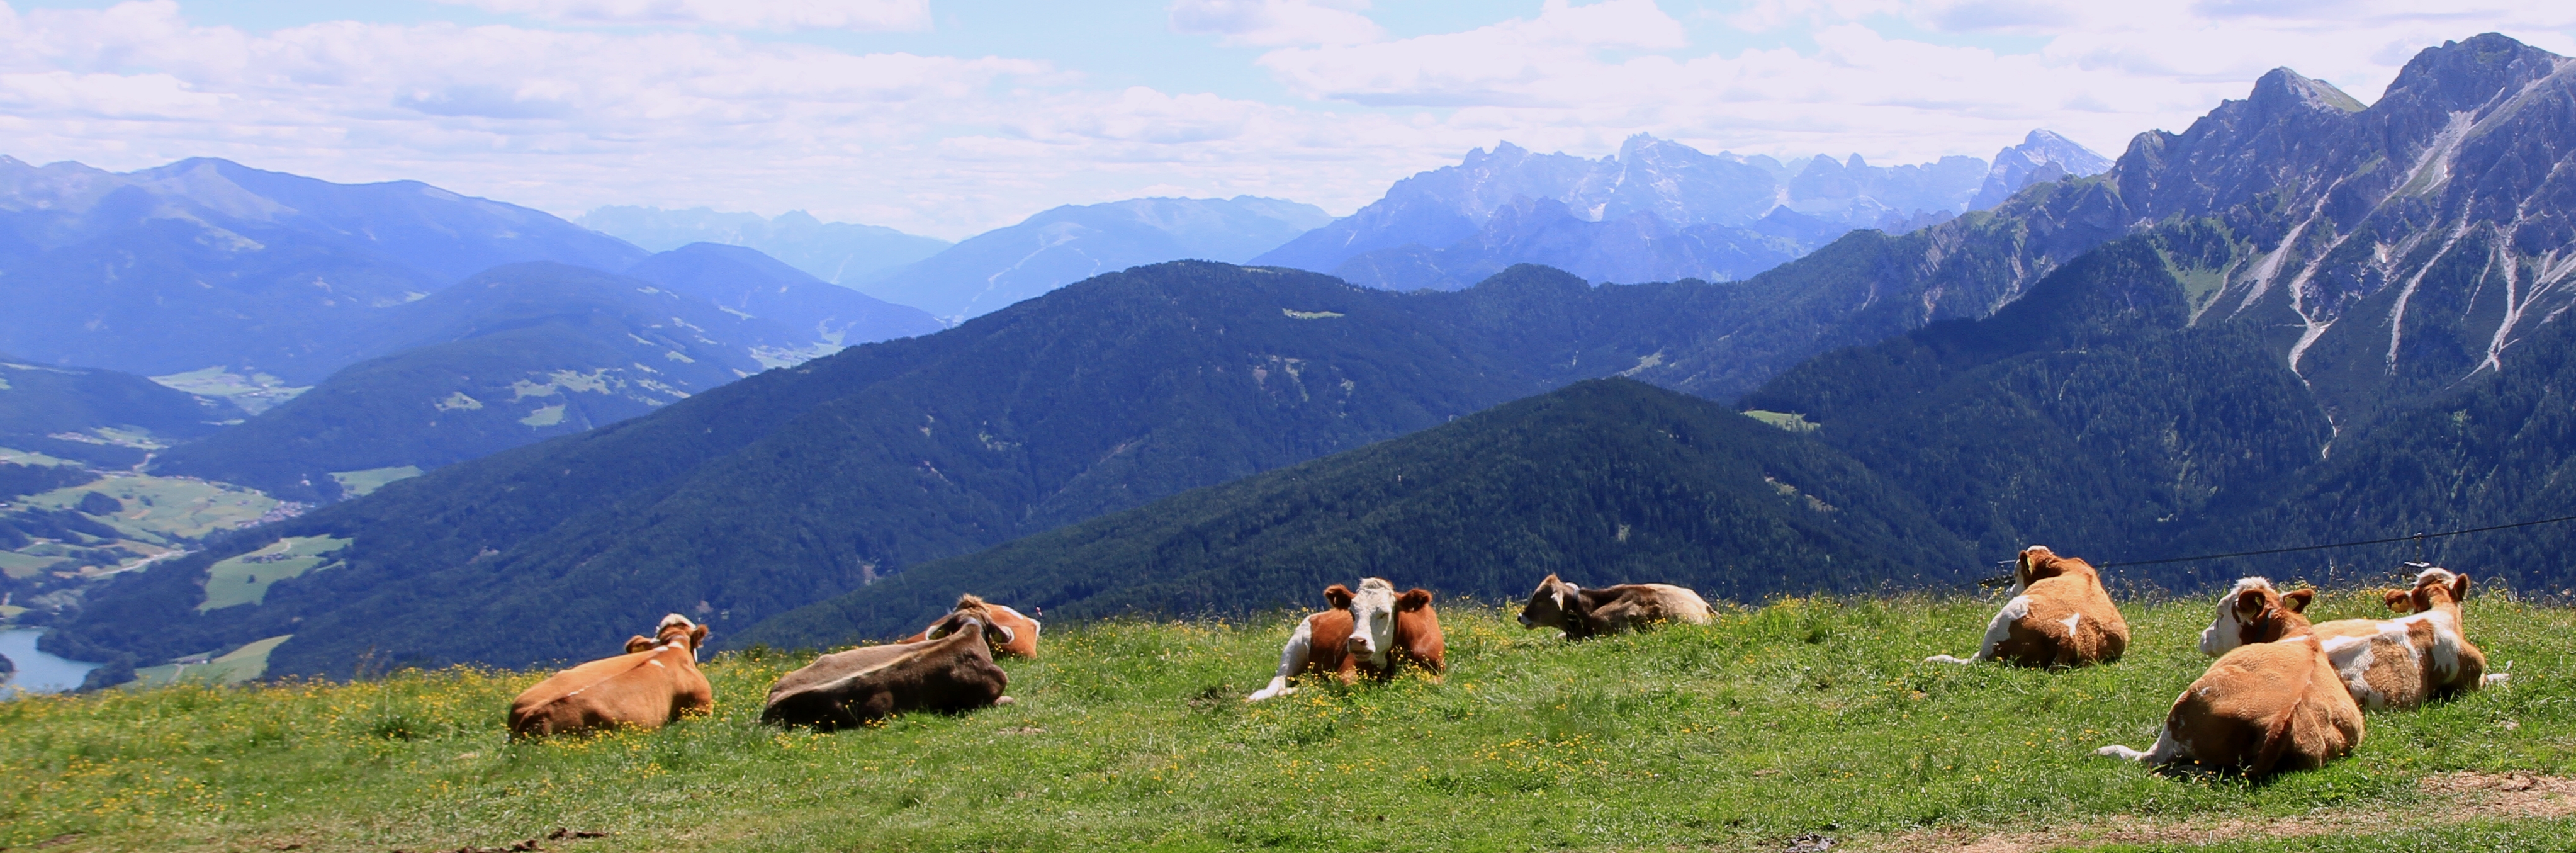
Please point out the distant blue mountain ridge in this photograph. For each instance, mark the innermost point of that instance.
(1067, 244)
(838, 252)
(1657, 210)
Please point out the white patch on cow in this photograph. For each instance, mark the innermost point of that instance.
(657, 663)
(2446, 638)
(1292, 658)
(1373, 620)
(2070, 620)
(2352, 658)
(1996, 631)
(2226, 632)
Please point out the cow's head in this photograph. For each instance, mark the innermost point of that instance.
(675, 629)
(2254, 611)
(978, 620)
(2434, 587)
(2038, 563)
(1556, 604)
(1373, 620)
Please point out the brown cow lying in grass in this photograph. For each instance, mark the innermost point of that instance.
(951, 671)
(2401, 662)
(1372, 632)
(1583, 613)
(1024, 630)
(2059, 615)
(2271, 703)
(654, 683)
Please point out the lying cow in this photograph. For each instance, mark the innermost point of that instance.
(1372, 632)
(949, 672)
(2273, 702)
(653, 683)
(1024, 630)
(1583, 613)
(2059, 615)
(2392, 663)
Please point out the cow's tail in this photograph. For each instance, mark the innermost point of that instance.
(2278, 736)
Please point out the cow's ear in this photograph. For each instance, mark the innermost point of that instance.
(2460, 589)
(1415, 599)
(697, 636)
(2249, 604)
(638, 643)
(1338, 596)
(998, 634)
(937, 629)
(2400, 600)
(2298, 601)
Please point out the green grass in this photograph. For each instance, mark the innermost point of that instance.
(359, 484)
(233, 667)
(1803, 716)
(1790, 421)
(30, 457)
(238, 580)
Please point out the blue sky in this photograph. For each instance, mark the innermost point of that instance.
(947, 118)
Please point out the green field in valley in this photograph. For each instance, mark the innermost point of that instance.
(1803, 717)
(162, 510)
(245, 579)
(233, 667)
(358, 484)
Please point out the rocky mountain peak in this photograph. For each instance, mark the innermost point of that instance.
(2466, 75)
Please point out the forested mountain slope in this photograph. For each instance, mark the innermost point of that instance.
(514, 355)
(1606, 481)
(98, 416)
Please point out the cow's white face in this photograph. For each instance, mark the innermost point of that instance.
(1373, 620)
(2227, 631)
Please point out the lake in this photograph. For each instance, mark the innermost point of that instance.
(37, 671)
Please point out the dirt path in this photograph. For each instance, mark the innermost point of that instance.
(2478, 796)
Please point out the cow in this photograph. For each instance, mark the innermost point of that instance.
(951, 671)
(2391, 663)
(1583, 613)
(654, 683)
(1024, 630)
(2059, 615)
(1372, 633)
(2271, 703)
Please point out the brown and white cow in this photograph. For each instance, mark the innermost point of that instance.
(1372, 632)
(1583, 613)
(2273, 702)
(1024, 630)
(2059, 615)
(655, 682)
(949, 672)
(2391, 663)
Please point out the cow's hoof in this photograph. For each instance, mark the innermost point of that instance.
(2120, 752)
(1947, 659)
(1005, 701)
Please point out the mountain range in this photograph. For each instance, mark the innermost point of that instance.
(837, 252)
(1066, 244)
(2302, 319)
(1657, 210)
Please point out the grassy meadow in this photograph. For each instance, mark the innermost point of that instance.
(1801, 717)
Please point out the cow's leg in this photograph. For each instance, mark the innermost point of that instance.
(1996, 631)
(2164, 752)
(1292, 660)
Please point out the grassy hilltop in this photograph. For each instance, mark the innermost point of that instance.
(1804, 716)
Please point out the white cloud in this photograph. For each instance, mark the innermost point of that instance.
(865, 15)
(570, 118)
(1270, 23)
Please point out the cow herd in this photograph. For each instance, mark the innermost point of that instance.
(2283, 693)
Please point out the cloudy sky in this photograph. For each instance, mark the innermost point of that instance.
(946, 117)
